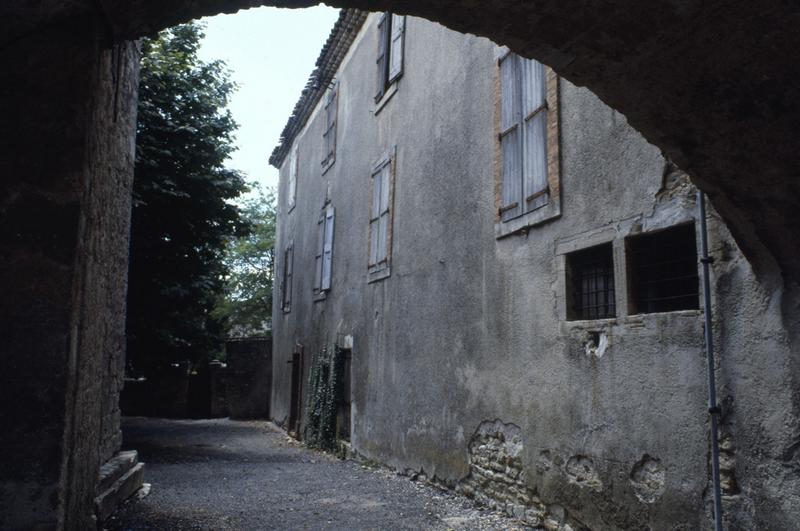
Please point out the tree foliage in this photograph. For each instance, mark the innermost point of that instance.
(182, 215)
(246, 303)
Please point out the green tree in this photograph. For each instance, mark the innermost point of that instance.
(246, 304)
(182, 215)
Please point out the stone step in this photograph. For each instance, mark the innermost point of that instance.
(125, 486)
(115, 468)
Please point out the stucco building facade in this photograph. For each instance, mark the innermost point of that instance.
(514, 273)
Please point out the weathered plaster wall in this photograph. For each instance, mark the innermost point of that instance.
(67, 158)
(469, 329)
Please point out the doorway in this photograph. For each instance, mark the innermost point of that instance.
(296, 404)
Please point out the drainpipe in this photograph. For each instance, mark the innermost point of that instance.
(713, 408)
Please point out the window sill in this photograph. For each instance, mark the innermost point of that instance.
(386, 96)
(545, 213)
(379, 274)
(591, 323)
(320, 295)
(635, 321)
(640, 318)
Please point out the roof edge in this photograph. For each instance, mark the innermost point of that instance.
(330, 58)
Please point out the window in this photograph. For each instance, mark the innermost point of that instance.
(391, 34)
(662, 271)
(286, 280)
(527, 130)
(590, 283)
(291, 193)
(380, 220)
(329, 136)
(324, 257)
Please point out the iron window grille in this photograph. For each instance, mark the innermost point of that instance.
(590, 283)
(662, 271)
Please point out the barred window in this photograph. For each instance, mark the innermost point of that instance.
(590, 283)
(662, 271)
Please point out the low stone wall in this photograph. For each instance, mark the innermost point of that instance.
(249, 377)
(218, 373)
(176, 393)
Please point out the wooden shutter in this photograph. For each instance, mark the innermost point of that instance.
(510, 138)
(383, 54)
(398, 29)
(327, 249)
(383, 224)
(290, 277)
(329, 136)
(534, 158)
(320, 252)
(288, 265)
(374, 218)
(292, 192)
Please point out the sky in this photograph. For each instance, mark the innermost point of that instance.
(271, 52)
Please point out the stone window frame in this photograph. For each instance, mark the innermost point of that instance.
(382, 269)
(617, 235)
(552, 209)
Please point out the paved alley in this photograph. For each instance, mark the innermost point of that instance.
(230, 475)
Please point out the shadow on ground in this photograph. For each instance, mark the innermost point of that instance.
(229, 475)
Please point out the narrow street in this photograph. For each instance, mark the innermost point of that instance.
(231, 475)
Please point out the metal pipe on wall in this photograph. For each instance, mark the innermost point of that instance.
(713, 408)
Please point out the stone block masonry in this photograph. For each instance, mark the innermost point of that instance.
(497, 477)
(67, 164)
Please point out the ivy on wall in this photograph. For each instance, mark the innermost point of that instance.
(325, 381)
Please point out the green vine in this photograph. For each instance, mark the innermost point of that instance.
(325, 391)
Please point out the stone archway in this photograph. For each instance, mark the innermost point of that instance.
(713, 84)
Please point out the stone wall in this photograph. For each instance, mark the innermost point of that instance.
(68, 108)
(249, 377)
(496, 474)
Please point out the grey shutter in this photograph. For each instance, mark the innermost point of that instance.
(534, 161)
(334, 116)
(383, 54)
(327, 250)
(288, 265)
(398, 28)
(292, 192)
(290, 276)
(375, 215)
(329, 136)
(383, 231)
(510, 138)
(320, 252)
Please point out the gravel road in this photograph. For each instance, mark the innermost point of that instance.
(233, 475)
